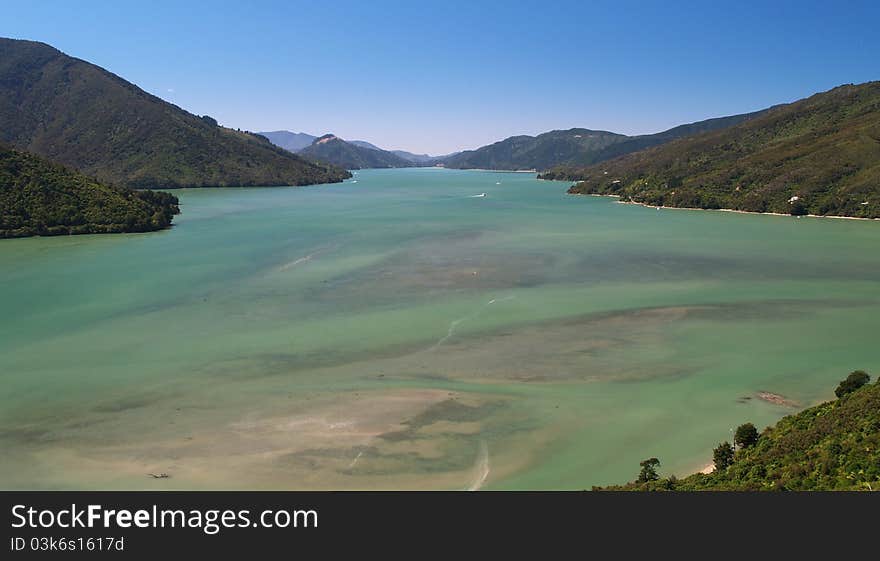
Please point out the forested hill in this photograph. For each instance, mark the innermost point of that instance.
(80, 115)
(572, 170)
(41, 198)
(819, 155)
(563, 150)
(535, 152)
(830, 447)
(332, 149)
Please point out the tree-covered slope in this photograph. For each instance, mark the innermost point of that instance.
(563, 153)
(535, 152)
(332, 149)
(573, 170)
(38, 197)
(833, 446)
(82, 116)
(820, 155)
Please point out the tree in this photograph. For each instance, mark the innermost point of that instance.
(746, 435)
(649, 470)
(853, 382)
(798, 209)
(723, 456)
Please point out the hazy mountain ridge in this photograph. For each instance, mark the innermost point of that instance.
(334, 150)
(292, 141)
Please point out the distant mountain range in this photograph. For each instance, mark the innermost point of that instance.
(38, 197)
(417, 159)
(364, 144)
(819, 155)
(298, 142)
(84, 117)
(574, 147)
(422, 159)
(534, 152)
(351, 155)
(292, 141)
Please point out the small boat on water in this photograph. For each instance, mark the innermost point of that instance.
(480, 195)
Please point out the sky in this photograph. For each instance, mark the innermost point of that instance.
(436, 77)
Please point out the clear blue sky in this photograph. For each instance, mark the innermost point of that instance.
(441, 76)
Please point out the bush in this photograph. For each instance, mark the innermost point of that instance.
(723, 456)
(853, 382)
(649, 470)
(746, 435)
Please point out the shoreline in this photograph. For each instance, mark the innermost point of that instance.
(646, 205)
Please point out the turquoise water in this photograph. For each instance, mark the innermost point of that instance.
(395, 331)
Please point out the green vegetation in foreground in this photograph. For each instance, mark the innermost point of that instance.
(333, 150)
(38, 197)
(831, 447)
(84, 117)
(820, 155)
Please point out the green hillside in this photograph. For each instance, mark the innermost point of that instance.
(82, 116)
(41, 198)
(332, 149)
(535, 152)
(572, 170)
(831, 447)
(820, 155)
(564, 152)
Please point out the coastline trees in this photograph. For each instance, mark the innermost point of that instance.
(746, 435)
(828, 447)
(723, 456)
(649, 470)
(854, 381)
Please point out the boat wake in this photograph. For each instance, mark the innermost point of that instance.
(305, 259)
(456, 322)
(481, 468)
(297, 262)
(355, 461)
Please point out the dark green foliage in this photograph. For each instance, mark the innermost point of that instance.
(799, 209)
(723, 456)
(84, 117)
(334, 150)
(853, 382)
(820, 155)
(649, 470)
(38, 197)
(833, 446)
(746, 435)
